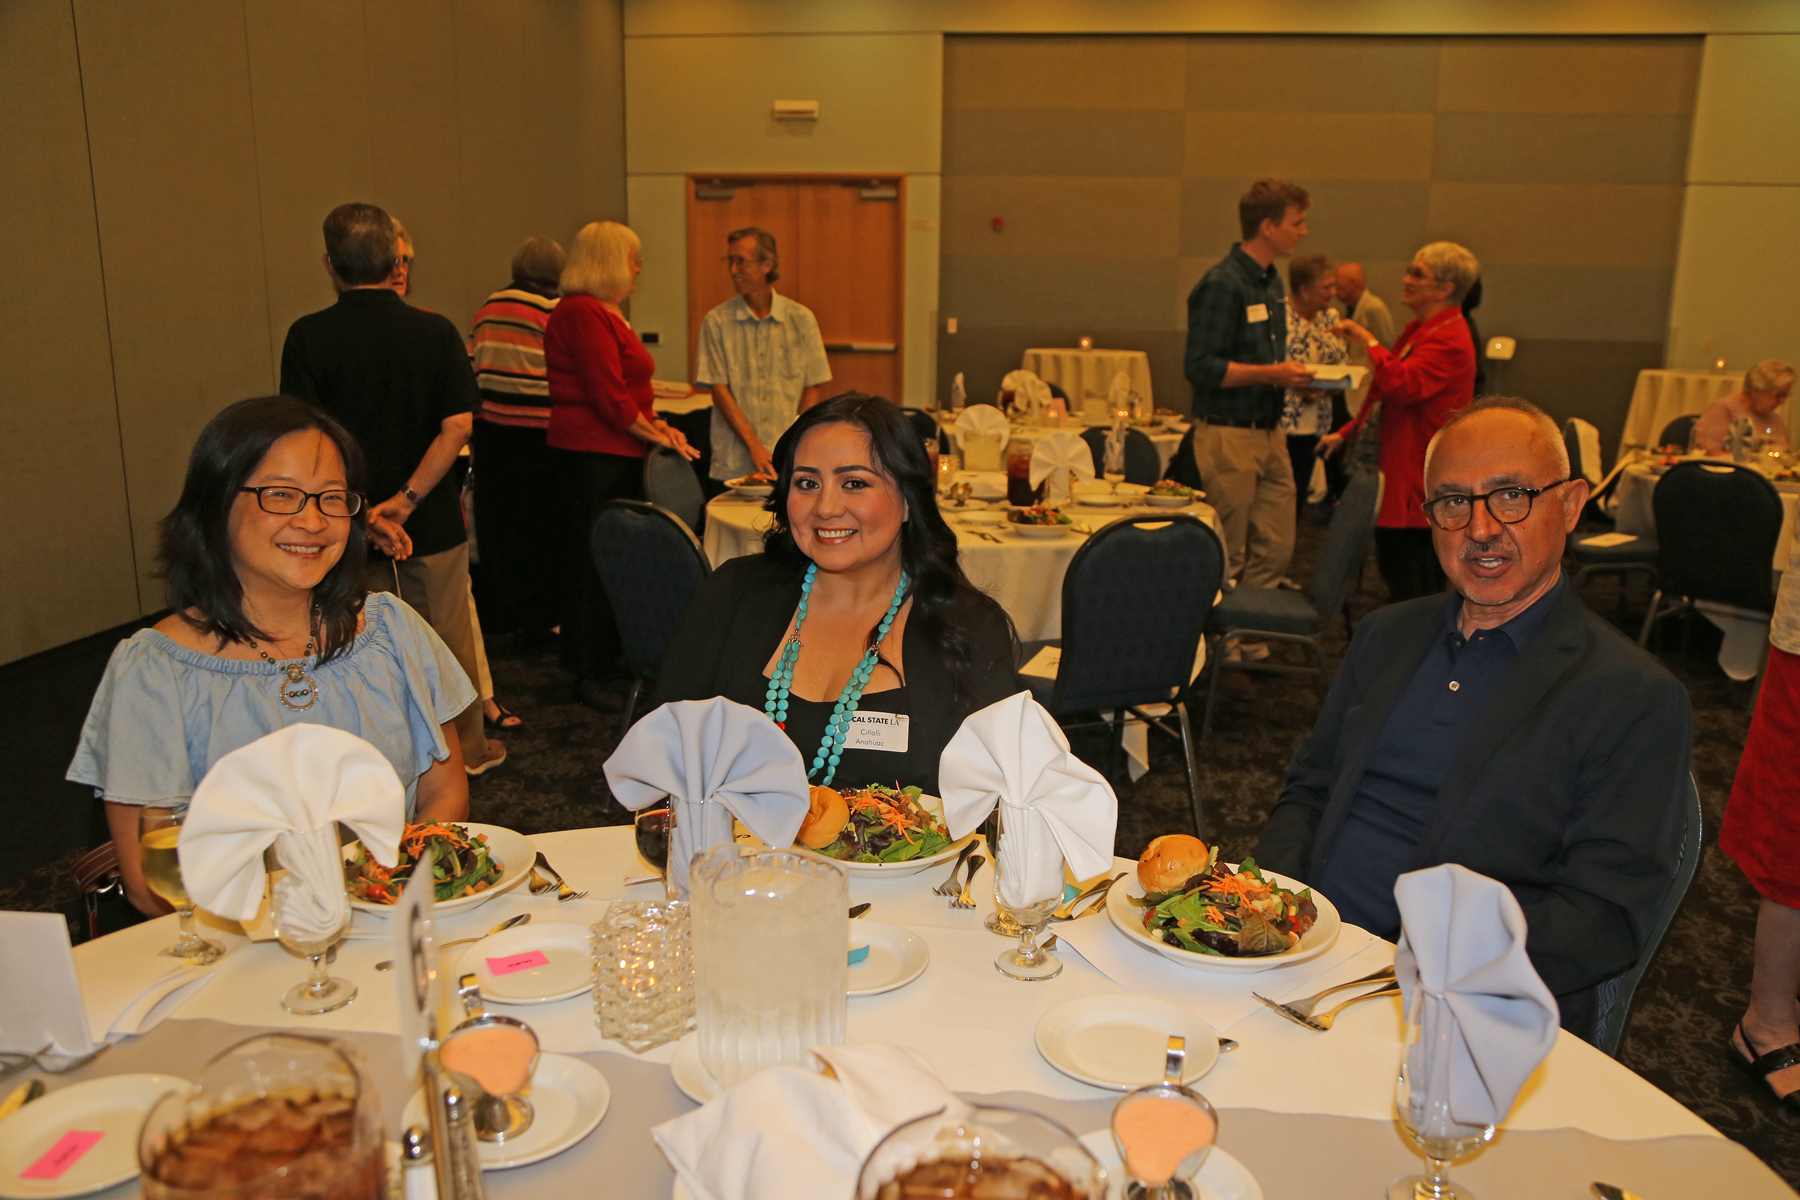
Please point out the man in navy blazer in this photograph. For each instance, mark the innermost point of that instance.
(1502, 726)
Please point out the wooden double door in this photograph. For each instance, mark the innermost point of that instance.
(841, 240)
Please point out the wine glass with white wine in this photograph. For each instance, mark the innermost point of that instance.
(1422, 1098)
(159, 830)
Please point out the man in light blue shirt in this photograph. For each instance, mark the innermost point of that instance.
(762, 356)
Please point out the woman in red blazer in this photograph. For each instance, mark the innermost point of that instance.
(601, 423)
(1429, 374)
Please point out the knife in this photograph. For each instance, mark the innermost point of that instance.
(22, 1095)
(1606, 1191)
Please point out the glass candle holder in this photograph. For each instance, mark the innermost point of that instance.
(643, 973)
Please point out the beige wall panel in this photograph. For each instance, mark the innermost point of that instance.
(918, 374)
(1745, 129)
(174, 162)
(600, 147)
(1590, 380)
(1105, 293)
(1720, 295)
(1561, 147)
(1609, 304)
(1064, 73)
(658, 215)
(1049, 141)
(66, 562)
(1349, 218)
(1612, 225)
(705, 104)
(1316, 145)
(1600, 75)
(1061, 216)
(1293, 74)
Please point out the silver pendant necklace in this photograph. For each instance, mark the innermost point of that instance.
(296, 690)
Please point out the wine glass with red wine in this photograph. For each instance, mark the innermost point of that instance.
(654, 827)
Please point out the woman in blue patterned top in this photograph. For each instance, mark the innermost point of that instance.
(1312, 290)
(263, 559)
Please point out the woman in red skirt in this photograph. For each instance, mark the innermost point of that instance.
(1762, 835)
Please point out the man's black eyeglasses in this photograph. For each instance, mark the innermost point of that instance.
(286, 501)
(1507, 505)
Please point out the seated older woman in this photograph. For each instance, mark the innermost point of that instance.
(857, 605)
(1767, 386)
(263, 558)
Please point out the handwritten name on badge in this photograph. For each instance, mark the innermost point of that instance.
(1256, 312)
(878, 731)
(64, 1154)
(517, 962)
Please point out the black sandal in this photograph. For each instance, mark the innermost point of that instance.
(500, 722)
(1765, 1065)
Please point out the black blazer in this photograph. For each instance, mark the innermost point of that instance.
(730, 629)
(1569, 792)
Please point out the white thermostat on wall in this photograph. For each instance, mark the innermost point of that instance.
(796, 110)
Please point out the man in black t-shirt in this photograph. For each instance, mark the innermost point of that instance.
(399, 380)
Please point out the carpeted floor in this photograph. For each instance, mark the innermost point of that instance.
(1689, 999)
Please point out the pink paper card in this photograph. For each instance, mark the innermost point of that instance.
(66, 1153)
(517, 962)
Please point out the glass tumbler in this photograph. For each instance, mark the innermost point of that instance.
(643, 973)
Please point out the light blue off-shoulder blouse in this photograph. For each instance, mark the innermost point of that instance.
(164, 714)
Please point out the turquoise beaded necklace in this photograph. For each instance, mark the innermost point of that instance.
(831, 746)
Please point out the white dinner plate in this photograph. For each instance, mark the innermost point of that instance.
(1313, 942)
(1120, 1042)
(977, 516)
(568, 1099)
(1221, 1176)
(897, 956)
(899, 870)
(691, 1075)
(114, 1106)
(1098, 501)
(567, 970)
(1040, 531)
(511, 850)
(1167, 501)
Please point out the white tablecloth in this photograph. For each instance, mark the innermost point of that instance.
(1085, 373)
(974, 1025)
(1661, 396)
(1024, 574)
(1165, 438)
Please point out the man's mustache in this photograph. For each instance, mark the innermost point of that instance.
(1491, 548)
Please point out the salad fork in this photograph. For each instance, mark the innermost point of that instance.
(963, 900)
(950, 887)
(1304, 1007)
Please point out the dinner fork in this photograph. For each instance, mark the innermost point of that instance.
(1066, 912)
(563, 890)
(963, 900)
(1323, 1021)
(950, 887)
(1304, 1007)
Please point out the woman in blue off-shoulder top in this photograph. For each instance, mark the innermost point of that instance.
(263, 559)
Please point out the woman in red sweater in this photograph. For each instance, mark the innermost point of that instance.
(1429, 374)
(601, 423)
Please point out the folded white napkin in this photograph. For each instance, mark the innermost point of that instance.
(789, 1132)
(982, 420)
(1054, 807)
(959, 392)
(1463, 939)
(983, 485)
(1030, 393)
(1118, 395)
(713, 759)
(1115, 444)
(289, 789)
(1062, 457)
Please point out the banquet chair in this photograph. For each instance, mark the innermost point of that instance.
(1095, 437)
(1677, 432)
(927, 427)
(1184, 468)
(1134, 605)
(650, 564)
(1615, 994)
(1142, 463)
(1717, 525)
(671, 484)
(1299, 618)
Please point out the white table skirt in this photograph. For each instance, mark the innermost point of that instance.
(974, 1025)
(1088, 373)
(1661, 396)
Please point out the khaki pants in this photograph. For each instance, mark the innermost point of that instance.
(436, 586)
(1247, 477)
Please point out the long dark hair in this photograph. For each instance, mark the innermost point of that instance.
(195, 550)
(943, 599)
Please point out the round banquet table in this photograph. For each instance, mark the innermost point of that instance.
(1024, 574)
(1165, 438)
(1581, 1117)
(1661, 396)
(1084, 374)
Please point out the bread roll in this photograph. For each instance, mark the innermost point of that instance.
(1170, 861)
(826, 816)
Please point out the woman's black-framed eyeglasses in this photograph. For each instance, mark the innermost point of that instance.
(287, 501)
(1507, 505)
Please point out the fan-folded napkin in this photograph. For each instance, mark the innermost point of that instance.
(788, 1132)
(713, 759)
(1030, 393)
(1054, 807)
(1463, 939)
(290, 789)
(1065, 452)
(982, 420)
(1115, 447)
(1119, 394)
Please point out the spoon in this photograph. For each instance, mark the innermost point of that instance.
(388, 965)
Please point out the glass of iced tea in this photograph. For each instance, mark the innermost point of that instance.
(159, 831)
(277, 1117)
(974, 1150)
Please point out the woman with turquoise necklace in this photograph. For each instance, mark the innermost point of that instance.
(855, 630)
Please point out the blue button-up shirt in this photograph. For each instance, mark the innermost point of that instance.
(1445, 699)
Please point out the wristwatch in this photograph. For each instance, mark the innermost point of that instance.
(412, 497)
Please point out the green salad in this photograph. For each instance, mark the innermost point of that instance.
(887, 825)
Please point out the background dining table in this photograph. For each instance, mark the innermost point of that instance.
(1309, 1114)
(1662, 395)
(1166, 437)
(1088, 374)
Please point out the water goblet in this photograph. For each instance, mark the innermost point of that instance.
(159, 831)
(299, 927)
(1422, 1097)
(1015, 898)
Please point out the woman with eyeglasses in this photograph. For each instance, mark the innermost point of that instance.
(262, 559)
(1429, 374)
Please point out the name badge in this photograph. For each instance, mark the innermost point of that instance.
(1256, 313)
(878, 731)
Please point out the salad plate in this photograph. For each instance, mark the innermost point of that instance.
(1221, 1176)
(510, 851)
(1167, 501)
(1119, 1042)
(1041, 532)
(911, 866)
(1314, 942)
(531, 964)
(109, 1111)
(897, 956)
(750, 485)
(568, 1099)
